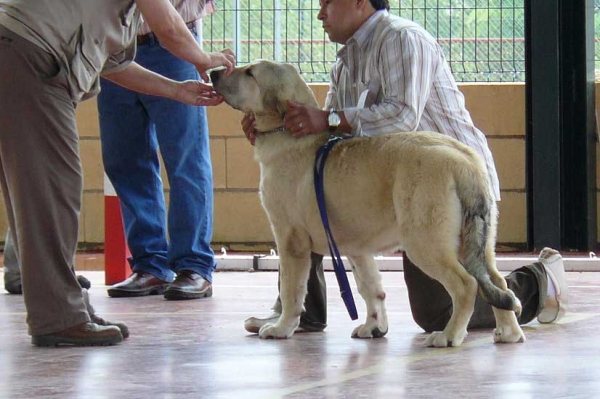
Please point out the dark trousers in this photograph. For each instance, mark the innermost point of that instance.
(430, 304)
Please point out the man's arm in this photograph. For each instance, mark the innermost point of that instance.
(407, 66)
(137, 78)
(170, 28)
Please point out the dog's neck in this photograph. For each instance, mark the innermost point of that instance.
(270, 131)
(267, 122)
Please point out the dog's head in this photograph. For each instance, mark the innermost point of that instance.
(261, 89)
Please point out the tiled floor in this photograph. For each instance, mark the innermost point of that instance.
(199, 349)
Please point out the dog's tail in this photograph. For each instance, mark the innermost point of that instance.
(479, 236)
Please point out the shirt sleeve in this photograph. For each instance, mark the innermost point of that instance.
(119, 61)
(407, 64)
(331, 97)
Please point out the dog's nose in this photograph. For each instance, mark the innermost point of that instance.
(215, 75)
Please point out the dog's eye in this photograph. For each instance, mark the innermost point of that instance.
(249, 72)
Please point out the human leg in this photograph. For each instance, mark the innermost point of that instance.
(44, 225)
(12, 271)
(314, 316)
(130, 155)
(182, 134)
(431, 305)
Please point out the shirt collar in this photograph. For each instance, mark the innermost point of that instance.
(364, 32)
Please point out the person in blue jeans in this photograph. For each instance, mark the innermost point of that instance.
(173, 259)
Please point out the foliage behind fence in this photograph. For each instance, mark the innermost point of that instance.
(483, 39)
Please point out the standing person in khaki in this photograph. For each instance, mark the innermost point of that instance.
(133, 127)
(51, 56)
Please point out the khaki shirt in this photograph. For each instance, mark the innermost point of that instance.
(87, 37)
(190, 11)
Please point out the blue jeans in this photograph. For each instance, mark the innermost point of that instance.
(133, 127)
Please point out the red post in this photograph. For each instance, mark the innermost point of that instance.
(116, 252)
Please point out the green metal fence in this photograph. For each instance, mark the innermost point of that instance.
(483, 39)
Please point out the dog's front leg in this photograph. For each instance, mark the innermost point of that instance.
(293, 272)
(368, 280)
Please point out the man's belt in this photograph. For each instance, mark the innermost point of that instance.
(150, 38)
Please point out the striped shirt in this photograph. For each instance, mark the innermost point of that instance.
(190, 10)
(408, 86)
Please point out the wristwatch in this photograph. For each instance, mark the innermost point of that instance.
(333, 120)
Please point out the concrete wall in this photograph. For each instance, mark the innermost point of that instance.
(240, 222)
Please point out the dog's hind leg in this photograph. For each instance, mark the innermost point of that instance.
(507, 328)
(294, 268)
(368, 280)
(462, 288)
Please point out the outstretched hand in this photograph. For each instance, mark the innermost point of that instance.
(224, 58)
(197, 93)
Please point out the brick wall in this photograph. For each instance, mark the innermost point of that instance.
(240, 222)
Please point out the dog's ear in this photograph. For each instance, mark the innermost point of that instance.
(274, 100)
(291, 86)
(300, 91)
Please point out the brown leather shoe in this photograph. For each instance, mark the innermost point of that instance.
(84, 334)
(95, 318)
(188, 285)
(138, 284)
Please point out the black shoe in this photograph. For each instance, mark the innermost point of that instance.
(188, 285)
(84, 282)
(12, 281)
(14, 287)
(138, 284)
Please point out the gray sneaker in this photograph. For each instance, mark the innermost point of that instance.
(555, 307)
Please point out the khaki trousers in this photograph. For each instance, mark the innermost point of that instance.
(41, 181)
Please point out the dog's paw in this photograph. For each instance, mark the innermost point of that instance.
(508, 335)
(275, 331)
(440, 339)
(368, 331)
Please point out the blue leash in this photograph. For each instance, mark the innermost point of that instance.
(338, 266)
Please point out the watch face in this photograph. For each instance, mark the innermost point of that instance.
(334, 119)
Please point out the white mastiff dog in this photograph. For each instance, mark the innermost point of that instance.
(422, 192)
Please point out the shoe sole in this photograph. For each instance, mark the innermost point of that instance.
(117, 293)
(176, 295)
(50, 341)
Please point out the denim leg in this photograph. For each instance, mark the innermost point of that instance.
(129, 152)
(182, 134)
(133, 126)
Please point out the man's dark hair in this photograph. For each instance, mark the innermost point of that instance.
(380, 4)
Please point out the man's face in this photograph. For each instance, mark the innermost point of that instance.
(339, 18)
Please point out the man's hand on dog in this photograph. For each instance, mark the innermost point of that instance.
(248, 127)
(302, 119)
